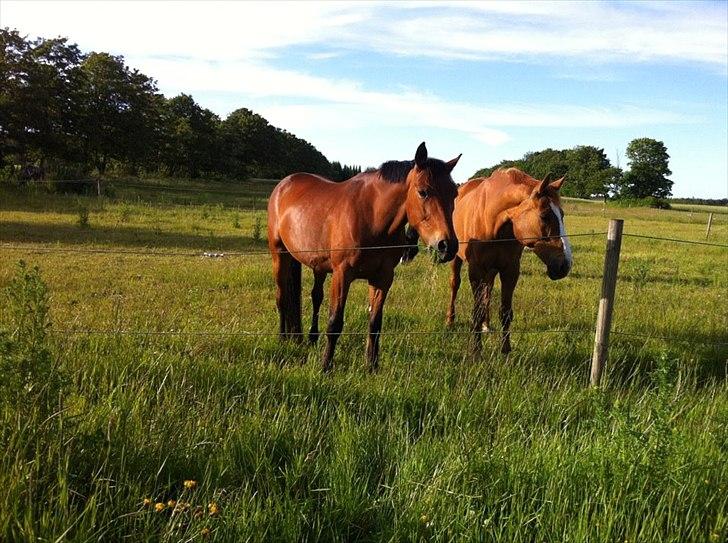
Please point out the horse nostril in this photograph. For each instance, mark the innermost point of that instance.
(442, 246)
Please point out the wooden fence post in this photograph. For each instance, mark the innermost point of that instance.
(710, 223)
(606, 301)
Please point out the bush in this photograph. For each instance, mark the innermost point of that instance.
(28, 373)
(651, 201)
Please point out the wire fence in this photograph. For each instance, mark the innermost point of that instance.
(252, 252)
(257, 252)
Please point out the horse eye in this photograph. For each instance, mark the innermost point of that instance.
(423, 193)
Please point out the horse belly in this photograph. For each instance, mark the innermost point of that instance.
(306, 238)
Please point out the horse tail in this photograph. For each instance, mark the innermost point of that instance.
(287, 273)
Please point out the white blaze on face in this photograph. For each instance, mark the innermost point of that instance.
(562, 233)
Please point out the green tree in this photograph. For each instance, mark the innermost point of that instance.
(647, 176)
(37, 98)
(120, 112)
(191, 138)
(589, 172)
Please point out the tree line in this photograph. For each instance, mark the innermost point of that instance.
(590, 174)
(66, 114)
(69, 114)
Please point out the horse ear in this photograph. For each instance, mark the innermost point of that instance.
(452, 163)
(540, 189)
(421, 155)
(556, 185)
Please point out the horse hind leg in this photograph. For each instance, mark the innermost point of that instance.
(295, 327)
(317, 297)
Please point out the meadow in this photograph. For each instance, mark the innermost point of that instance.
(144, 395)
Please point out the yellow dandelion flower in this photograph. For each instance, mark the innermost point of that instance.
(147, 502)
(159, 507)
(171, 504)
(213, 509)
(190, 484)
(205, 532)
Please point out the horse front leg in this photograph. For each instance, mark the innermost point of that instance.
(455, 268)
(509, 279)
(340, 284)
(377, 295)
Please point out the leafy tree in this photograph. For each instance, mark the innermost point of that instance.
(647, 176)
(589, 172)
(119, 112)
(587, 169)
(37, 98)
(191, 138)
(60, 106)
(247, 141)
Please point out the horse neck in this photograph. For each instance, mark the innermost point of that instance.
(388, 206)
(500, 195)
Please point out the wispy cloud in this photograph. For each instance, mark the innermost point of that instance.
(588, 31)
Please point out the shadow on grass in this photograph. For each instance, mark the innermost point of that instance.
(122, 237)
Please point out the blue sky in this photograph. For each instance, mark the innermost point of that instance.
(366, 82)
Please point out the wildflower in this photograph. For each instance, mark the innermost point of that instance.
(424, 519)
(159, 507)
(205, 532)
(171, 504)
(213, 509)
(147, 502)
(190, 484)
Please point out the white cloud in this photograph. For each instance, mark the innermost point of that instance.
(534, 31)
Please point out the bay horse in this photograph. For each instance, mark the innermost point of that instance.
(355, 229)
(508, 205)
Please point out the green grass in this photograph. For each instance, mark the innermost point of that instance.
(435, 447)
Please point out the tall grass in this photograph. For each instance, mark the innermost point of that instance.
(99, 432)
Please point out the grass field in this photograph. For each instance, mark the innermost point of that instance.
(434, 447)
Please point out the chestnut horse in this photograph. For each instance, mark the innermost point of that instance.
(509, 205)
(354, 230)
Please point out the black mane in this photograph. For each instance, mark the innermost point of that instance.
(395, 171)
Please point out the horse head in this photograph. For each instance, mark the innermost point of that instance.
(430, 201)
(538, 223)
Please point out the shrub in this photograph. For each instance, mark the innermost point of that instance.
(28, 373)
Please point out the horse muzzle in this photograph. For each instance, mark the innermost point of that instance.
(446, 250)
(558, 270)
